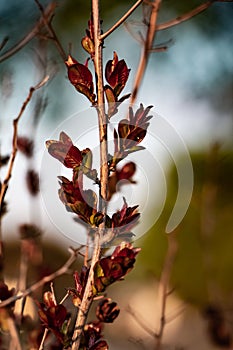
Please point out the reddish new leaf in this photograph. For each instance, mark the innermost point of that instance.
(65, 151)
(116, 74)
(80, 76)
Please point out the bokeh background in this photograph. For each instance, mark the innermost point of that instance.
(191, 86)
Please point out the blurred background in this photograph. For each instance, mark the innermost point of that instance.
(190, 86)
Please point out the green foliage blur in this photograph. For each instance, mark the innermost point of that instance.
(203, 268)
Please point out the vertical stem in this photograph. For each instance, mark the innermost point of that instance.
(102, 117)
(103, 124)
(146, 48)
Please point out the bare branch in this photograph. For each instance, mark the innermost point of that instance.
(188, 15)
(47, 22)
(14, 140)
(164, 284)
(147, 47)
(43, 339)
(61, 271)
(121, 20)
(48, 13)
(139, 321)
(3, 43)
(15, 341)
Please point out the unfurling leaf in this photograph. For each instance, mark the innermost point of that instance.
(116, 74)
(113, 268)
(80, 76)
(65, 151)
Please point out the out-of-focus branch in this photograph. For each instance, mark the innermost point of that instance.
(61, 271)
(185, 17)
(146, 49)
(48, 14)
(163, 294)
(47, 22)
(121, 20)
(152, 28)
(14, 342)
(164, 285)
(5, 183)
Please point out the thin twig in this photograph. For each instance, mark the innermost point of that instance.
(43, 339)
(121, 20)
(188, 15)
(61, 271)
(146, 49)
(47, 22)
(14, 140)
(3, 43)
(15, 342)
(5, 183)
(164, 284)
(139, 321)
(48, 13)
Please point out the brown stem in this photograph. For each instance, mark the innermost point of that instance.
(185, 17)
(47, 22)
(43, 339)
(5, 184)
(103, 124)
(146, 49)
(164, 284)
(121, 20)
(61, 271)
(15, 342)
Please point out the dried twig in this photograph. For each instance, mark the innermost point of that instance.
(146, 49)
(47, 22)
(48, 13)
(43, 339)
(15, 342)
(61, 271)
(14, 140)
(140, 322)
(5, 184)
(121, 20)
(164, 284)
(152, 28)
(188, 15)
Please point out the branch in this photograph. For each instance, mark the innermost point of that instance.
(15, 341)
(188, 15)
(47, 22)
(121, 20)
(5, 183)
(103, 194)
(48, 13)
(61, 271)
(146, 49)
(139, 321)
(164, 284)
